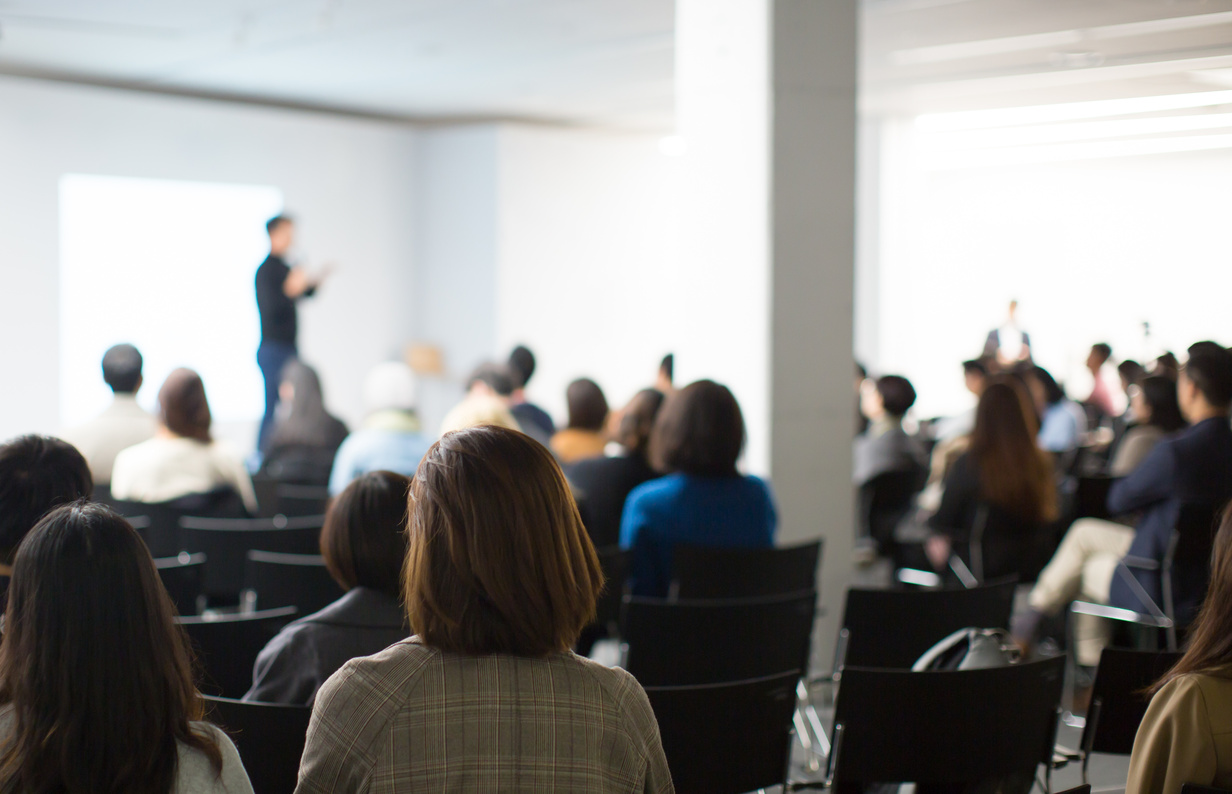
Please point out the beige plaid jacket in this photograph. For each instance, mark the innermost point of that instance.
(416, 719)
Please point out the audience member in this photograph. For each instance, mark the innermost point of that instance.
(885, 446)
(975, 377)
(499, 581)
(1166, 366)
(489, 391)
(124, 422)
(1101, 396)
(1062, 421)
(1185, 736)
(1130, 373)
(861, 419)
(95, 677)
(1008, 345)
(1155, 414)
(1205, 346)
(583, 436)
(602, 484)
(703, 500)
(390, 437)
(305, 438)
(664, 378)
(363, 543)
(1004, 476)
(1192, 466)
(534, 421)
(183, 458)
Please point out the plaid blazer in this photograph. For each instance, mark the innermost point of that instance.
(413, 718)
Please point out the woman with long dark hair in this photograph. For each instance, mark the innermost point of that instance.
(1186, 736)
(96, 688)
(1155, 412)
(304, 440)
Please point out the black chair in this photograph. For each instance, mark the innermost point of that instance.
(884, 502)
(273, 579)
(184, 576)
(1118, 700)
(269, 736)
(707, 572)
(615, 563)
(226, 542)
(727, 738)
(1091, 496)
(670, 643)
(951, 727)
(289, 499)
(227, 646)
(1194, 788)
(157, 524)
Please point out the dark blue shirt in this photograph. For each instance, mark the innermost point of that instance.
(731, 512)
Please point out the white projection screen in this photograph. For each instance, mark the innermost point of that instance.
(167, 266)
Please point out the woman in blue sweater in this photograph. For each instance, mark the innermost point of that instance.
(703, 500)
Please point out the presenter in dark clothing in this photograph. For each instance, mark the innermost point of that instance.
(279, 286)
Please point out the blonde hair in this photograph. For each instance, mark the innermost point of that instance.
(477, 410)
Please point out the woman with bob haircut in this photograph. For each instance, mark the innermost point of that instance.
(703, 500)
(96, 688)
(500, 579)
(583, 437)
(363, 543)
(1186, 735)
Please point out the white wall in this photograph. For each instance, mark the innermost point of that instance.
(349, 182)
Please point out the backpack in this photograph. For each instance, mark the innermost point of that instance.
(970, 649)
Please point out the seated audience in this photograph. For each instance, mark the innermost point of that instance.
(1186, 735)
(489, 392)
(363, 543)
(124, 422)
(533, 420)
(602, 484)
(305, 439)
(499, 580)
(1131, 374)
(390, 437)
(1155, 414)
(583, 436)
(1166, 366)
(1194, 465)
(95, 677)
(1101, 398)
(703, 500)
(1003, 475)
(665, 376)
(182, 459)
(975, 376)
(1062, 421)
(885, 446)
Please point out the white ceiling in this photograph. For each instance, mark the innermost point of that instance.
(601, 61)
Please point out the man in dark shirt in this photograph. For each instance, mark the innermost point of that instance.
(278, 287)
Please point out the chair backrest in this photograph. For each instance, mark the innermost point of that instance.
(730, 737)
(886, 499)
(1091, 496)
(1118, 703)
(1188, 567)
(269, 736)
(289, 499)
(273, 579)
(615, 563)
(227, 646)
(157, 524)
(227, 541)
(184, 577)
(893, 628)
(707, 572)
(706, 642)
(945, 727)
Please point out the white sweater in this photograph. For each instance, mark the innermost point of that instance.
(163, 469)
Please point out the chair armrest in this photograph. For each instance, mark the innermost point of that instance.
(1141, 563)
(1116, 613)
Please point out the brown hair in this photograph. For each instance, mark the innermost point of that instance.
(587, 405)
(98, 674)
(1015, 474)
(638, 419)
(699, 431)
(499, 561)
(182, 406)
(364, 538)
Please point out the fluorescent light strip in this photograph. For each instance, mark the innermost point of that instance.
(1031, 155)
(1083, 131)
(1070, 111)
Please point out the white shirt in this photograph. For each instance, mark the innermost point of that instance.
(163, 469)
(122, 425)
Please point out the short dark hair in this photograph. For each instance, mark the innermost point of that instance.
(1160, 396)
(364, 537)
(182, 406)
(897, 394)
(276, 221)
(668, 366)
(1205, 346)
(975, 367)
(1131, 370)
(700, 431)
(1212, 374)
(522, 364)
(1103, 350)
(587, 405)
(37, 473)
(1053, 393)
(497, 376)
(638, 420)
(499, 561)
(122, 368)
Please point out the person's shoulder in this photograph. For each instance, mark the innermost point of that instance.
(658, 489)
(378, 683)
(195, 774)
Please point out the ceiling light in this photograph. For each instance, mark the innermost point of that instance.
(1070, 111)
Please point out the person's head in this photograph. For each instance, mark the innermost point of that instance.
(1099, 355)
(587, 405)
(1045, 391)
(389, 386)
(37, 473)
(98, 674)
(975, 375)
(122, 369)
(182, 407)
(1167, 366)
(1013, 310)
(1014, 473)
(1204, 386)
(699, 431)
(494, 380)
(281, 230)
(891, 395)
(307, 420)
(638, 419)
(499, 561)
(1153, 401)
(664, 379)
(478, 410)
(1131, 372)
(364, 538)
(521, 366)
(1205, 346)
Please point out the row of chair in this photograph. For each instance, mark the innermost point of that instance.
(271, 579)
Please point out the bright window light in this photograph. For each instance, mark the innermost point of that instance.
(1059, 133)
(1070, 111)
(169, 267)
(1094, 150)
